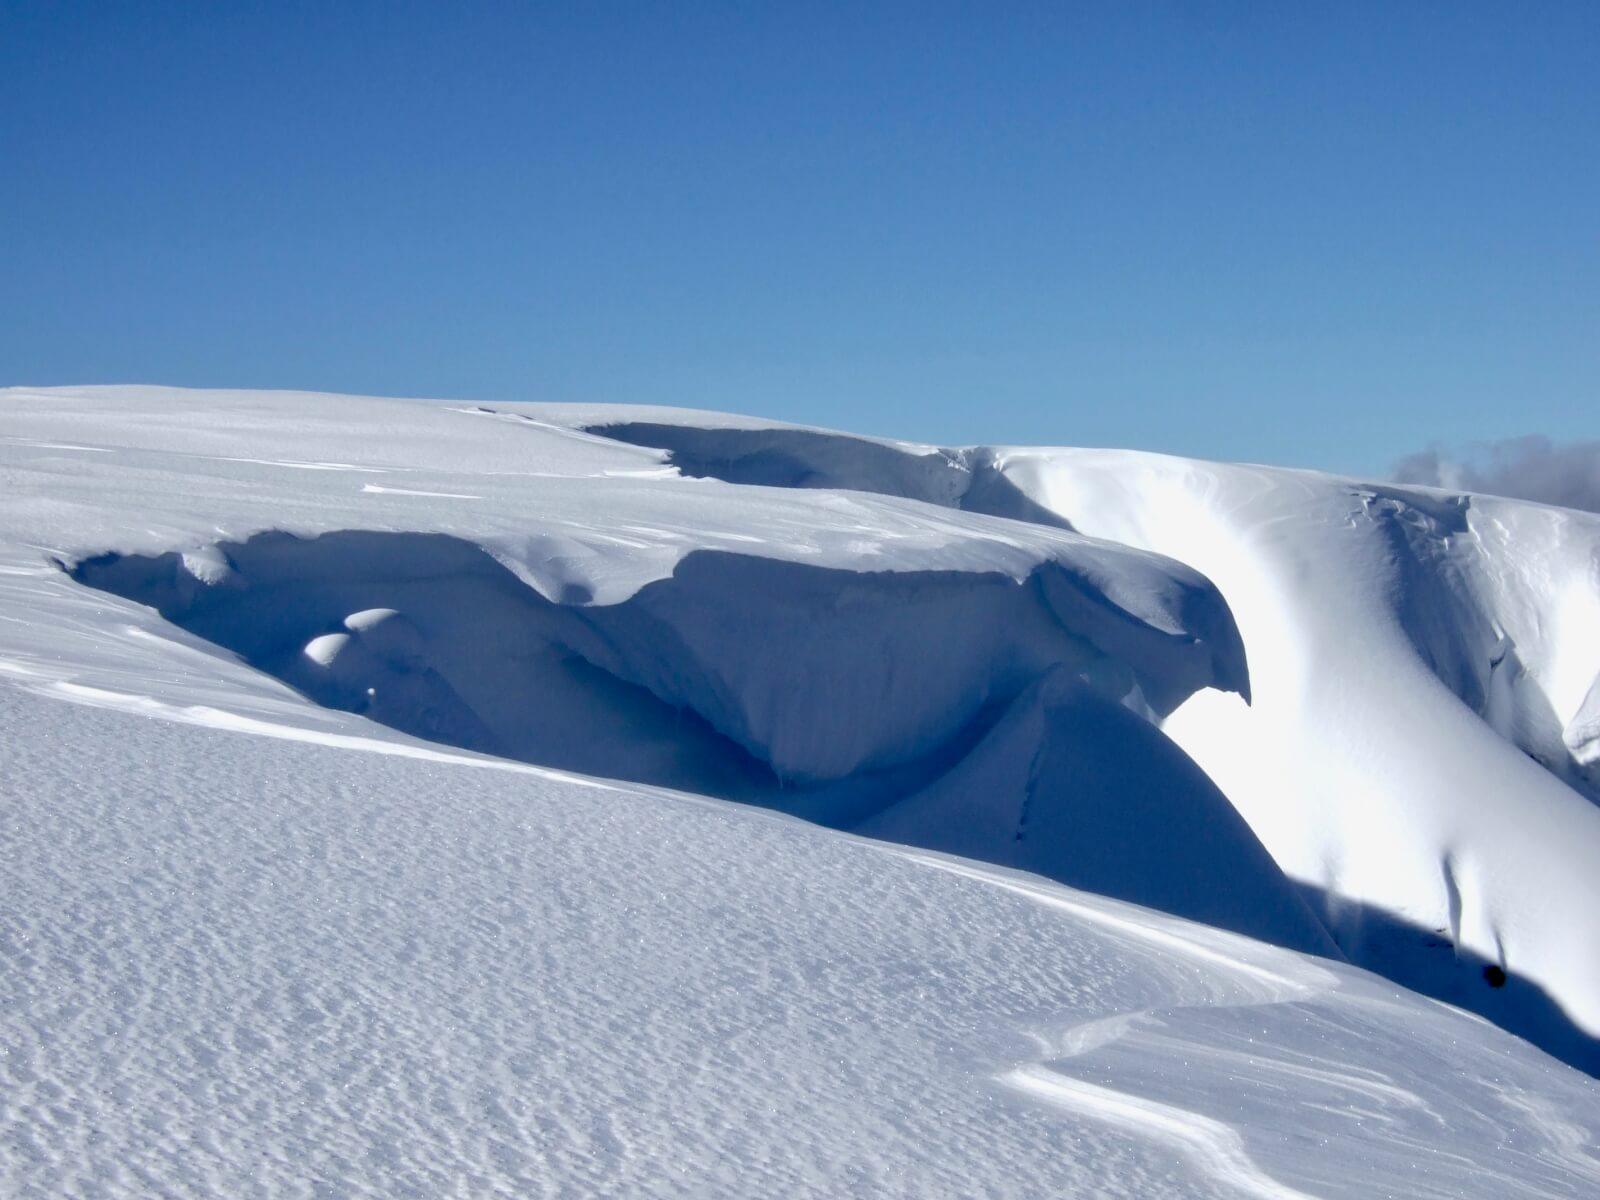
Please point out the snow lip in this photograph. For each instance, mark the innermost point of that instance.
(797, 686)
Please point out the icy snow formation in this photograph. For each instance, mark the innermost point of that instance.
(1418, 666)
(782, 456)
(357, 839)
(1421, 748)
(804, 688)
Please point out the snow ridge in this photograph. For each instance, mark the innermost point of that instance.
(800, 688)
(354, 877)
(1383, 624)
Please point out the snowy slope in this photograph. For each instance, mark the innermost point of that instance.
(337, 862)
(563, 600)
(1415, 749)
(1423, 668)
(248, 966)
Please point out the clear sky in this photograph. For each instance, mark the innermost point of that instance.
(1312, 234)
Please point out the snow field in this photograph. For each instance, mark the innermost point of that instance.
(362, 837)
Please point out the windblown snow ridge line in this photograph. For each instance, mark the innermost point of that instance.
(1424, 749)
(968, 478)
(835, 695)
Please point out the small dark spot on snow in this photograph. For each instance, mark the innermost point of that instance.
(1494, 976)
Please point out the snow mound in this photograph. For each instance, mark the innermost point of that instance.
(1080, 790)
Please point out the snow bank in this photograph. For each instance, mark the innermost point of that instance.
(1424, 755)
(257, 946)
(1419, 662)
(1080, 790)
(825, 693)
(787, 456)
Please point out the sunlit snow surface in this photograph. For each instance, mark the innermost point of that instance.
(253, 945)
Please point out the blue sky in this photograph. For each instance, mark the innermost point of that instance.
(1322, 235)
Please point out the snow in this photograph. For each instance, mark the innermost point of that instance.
(1093, 796)
(1417, 752)
(364, 839)
(1416, 659)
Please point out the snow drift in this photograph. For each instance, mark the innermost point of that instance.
(781, 456)
(1418, 662)
(339, 862)
(1421, 751)
(826, 693)
(250, 966)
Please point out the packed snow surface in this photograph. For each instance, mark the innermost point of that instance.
(372, 821)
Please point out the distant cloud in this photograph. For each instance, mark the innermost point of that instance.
(1529, 468)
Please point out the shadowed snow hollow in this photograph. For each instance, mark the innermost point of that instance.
(826, 693)
(783, 456)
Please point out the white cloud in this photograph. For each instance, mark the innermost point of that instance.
(1529, 468)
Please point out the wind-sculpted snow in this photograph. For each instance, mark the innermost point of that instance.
(1415, 750)
(355, 878)
(1427, 759)
(246, 966)
(1063, 770)
(781, 456)
(807, 689)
